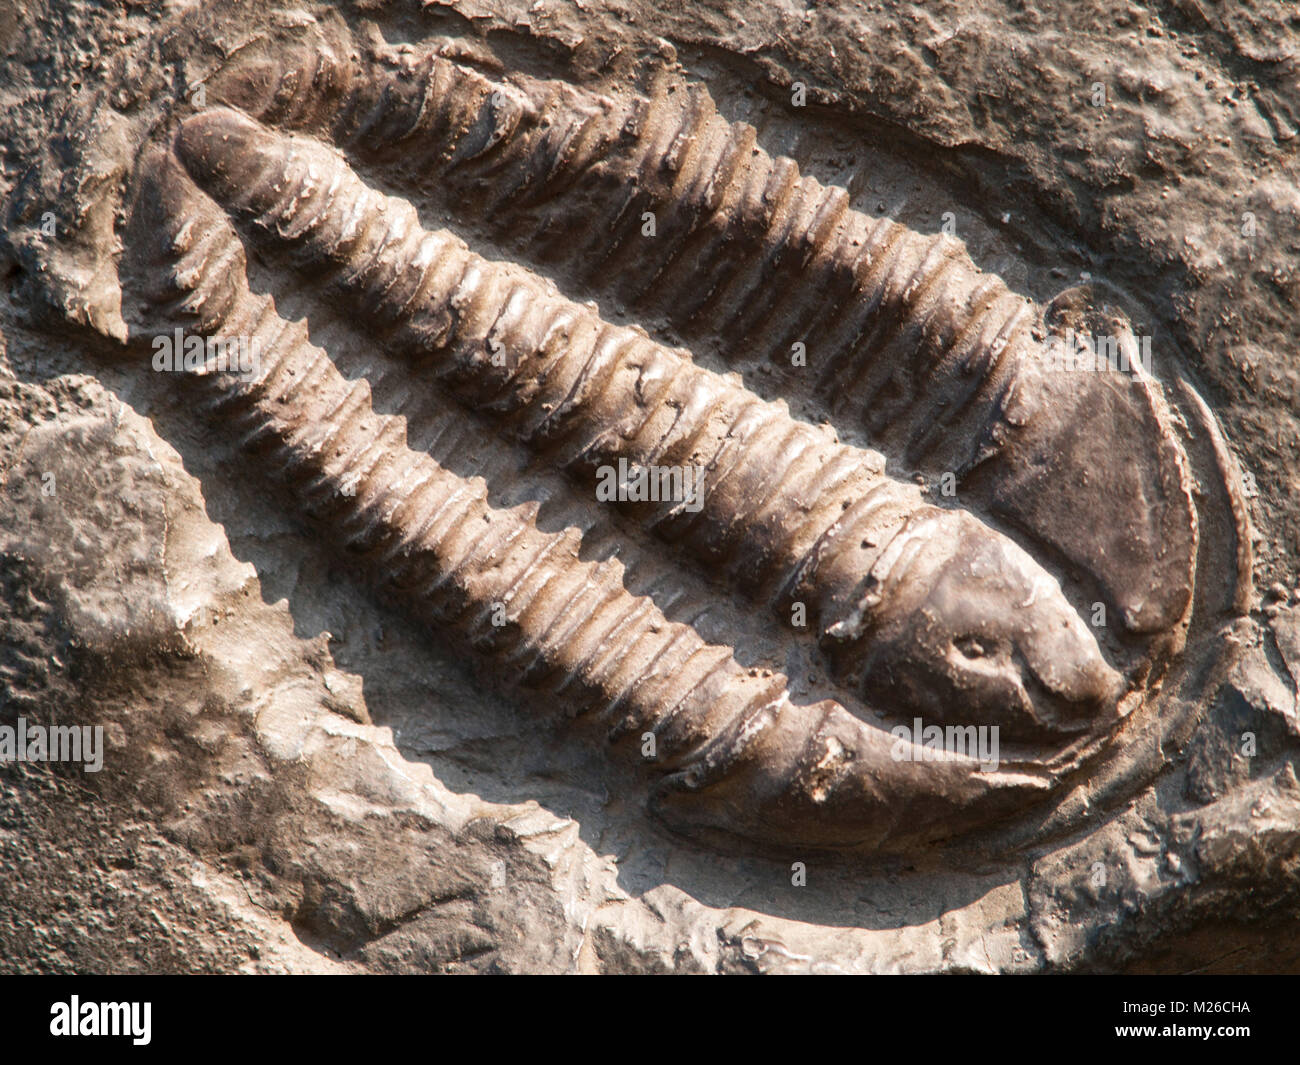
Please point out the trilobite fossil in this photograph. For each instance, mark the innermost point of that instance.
(735, 754)
(938, 360)
(927, 605)
(957, 613)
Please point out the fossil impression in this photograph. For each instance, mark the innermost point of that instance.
(952, 614)
(735, 754)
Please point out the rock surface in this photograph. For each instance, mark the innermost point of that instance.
(297, 778)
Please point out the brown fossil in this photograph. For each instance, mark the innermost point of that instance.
(921, 609)
(934, 612)
(905, 336)
(738, 758)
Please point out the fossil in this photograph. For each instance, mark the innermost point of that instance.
(928, 606)
(736, 756)
(938, 360)
(965, 613)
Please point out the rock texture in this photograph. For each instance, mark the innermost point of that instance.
(299, 776)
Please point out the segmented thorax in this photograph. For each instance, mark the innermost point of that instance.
(786, 508)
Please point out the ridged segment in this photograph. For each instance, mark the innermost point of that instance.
(436, 533)
(735, 229)
(572, 382)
